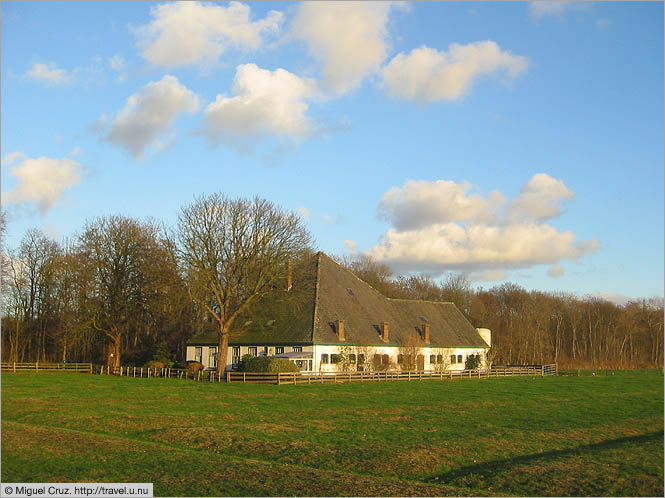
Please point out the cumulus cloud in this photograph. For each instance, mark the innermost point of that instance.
(428, 75)
(420, 203)
(539, 199)
(448, 228)
(195, 33)
(43, 181)
(264, 103)
(48, 73)
(149, 114)
(349, 39)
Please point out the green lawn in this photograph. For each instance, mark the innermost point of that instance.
(587, 435)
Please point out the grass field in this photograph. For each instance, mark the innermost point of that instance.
(588, 435)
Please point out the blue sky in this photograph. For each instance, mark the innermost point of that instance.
(517, 142)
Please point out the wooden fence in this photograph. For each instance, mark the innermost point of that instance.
(283, 378)
(47, 367)
(341, 377)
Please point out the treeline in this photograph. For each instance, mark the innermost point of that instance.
(119, 293)
(114, 294)
(533, 327)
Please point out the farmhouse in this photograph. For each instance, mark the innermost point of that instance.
(324, 318)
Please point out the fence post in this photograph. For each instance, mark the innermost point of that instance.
(244, 377)
(37, 366)
(556, 369)
(542, 370)
(14, 367)
(279, 378)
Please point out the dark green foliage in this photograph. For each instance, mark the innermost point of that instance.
(163, 354)
(250, 363)
(472, 362)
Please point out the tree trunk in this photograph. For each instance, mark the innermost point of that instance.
(223, 349)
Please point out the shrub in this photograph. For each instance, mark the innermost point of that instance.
(194, 367)
(472, 362)
(155, 364)
(250, 363)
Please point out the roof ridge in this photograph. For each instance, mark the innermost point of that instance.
(321, 253)
(419, 300)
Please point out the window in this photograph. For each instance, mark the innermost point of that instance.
(352, 358)
(198, 354)
(459, 359)
(324, 358)
(385, 360)
(361, 359)
(279, 350)
(453, 358)
(236, 355)
(400, 358)
(265, 350)
(439, 358)
(334, 358)
(432, 358)
(297, 349)
(212, 357)
(251, 350)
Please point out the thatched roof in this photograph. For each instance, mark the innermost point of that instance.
(324, 292)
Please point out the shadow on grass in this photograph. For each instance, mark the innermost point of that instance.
(491, 469)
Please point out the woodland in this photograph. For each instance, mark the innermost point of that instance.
(128, 291)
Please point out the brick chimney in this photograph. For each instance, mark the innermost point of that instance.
(289, 275)
(339, 328)
(384, 332)
(426, 333)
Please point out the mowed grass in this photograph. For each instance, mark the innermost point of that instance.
(564, 436)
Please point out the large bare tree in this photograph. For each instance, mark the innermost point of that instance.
(235, 251)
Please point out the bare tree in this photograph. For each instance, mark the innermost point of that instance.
(121, 253)
(234, 252)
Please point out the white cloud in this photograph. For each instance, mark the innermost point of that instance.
(556, 271)
(539, 199)
(439, 226)
(117, 63)
(43, 181)
(492, 276)
(48, 73)
(421, 203)
(613, 297)
(304, 212)
(12, 157)
(351, 245)
(264, 103)
(194, 33)
(149, 114)
(349, 39)
(539, 9)
(428, 75)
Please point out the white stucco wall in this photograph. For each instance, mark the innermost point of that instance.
(368, 351)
